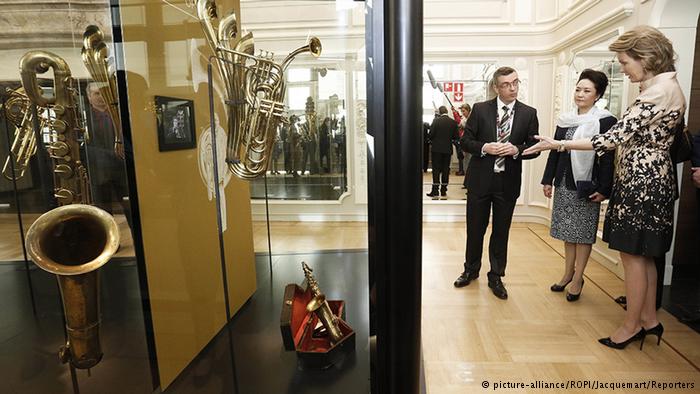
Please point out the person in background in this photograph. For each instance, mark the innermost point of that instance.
(443, 131)
(639, 219)
(105, 156)
(324, 145)
(466, 156)
(580, 181)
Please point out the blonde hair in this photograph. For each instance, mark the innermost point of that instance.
(648, 45)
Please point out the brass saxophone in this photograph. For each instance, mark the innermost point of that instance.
(320, 307)
(75, 239)
(18, 112)
(255, 90)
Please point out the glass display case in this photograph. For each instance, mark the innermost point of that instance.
(186, 303)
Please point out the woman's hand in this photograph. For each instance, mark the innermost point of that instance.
(546, 143)
(547, 189)
(596, 197)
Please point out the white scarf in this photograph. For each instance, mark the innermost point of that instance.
(587, 125)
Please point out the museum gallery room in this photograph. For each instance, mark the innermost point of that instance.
(346, 196)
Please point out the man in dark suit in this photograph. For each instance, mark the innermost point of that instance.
(496, 133)
(443, 132)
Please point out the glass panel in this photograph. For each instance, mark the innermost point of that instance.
(34, 329)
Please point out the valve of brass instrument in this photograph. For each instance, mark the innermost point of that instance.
(320, 307)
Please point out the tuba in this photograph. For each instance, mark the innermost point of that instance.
(75, 239)
(320, 307)
(18, 112)
(255, 90)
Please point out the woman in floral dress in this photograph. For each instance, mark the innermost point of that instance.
(639, 219)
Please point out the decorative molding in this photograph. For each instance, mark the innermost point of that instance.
(595, 26)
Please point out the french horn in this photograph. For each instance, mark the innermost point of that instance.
(18, 113)
(255, 90)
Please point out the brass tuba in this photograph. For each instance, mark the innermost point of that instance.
(320, 307)
(75, 239)
(18, 112)
(255, 90)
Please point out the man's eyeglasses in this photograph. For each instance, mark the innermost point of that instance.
(509, 85)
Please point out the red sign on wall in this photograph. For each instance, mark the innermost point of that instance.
(459, 97)
(458, 86)
(448, 86)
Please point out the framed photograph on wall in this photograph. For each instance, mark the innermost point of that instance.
(175, 118)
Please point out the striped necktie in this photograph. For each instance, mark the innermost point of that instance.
(503, 136)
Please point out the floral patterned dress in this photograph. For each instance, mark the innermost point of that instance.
(639, 219)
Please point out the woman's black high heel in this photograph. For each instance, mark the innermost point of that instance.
(638, 336)
(559, 288)
(657, 330)
(573, 297)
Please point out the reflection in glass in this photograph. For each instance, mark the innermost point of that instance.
(309, 158)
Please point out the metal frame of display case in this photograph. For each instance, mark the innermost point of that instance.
(394, 42)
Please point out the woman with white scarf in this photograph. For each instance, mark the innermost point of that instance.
(580, 180)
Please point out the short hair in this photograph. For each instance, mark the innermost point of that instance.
(442, 109)
(599, 79)
(501, 72)
(648, 45)
(466, 106)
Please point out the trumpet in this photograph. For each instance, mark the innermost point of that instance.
(75, 239)
(255, 90)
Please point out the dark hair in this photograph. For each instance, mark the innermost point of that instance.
(442, 109)
(501, 72)
(599, 79)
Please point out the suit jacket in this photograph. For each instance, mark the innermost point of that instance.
(559, 163)
(442, 132)
(695, 158)
(480, 129)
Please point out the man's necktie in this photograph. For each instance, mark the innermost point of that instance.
(503, 135)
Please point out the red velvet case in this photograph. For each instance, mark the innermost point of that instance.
(297, 326)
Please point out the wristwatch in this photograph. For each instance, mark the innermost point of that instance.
(561, 147)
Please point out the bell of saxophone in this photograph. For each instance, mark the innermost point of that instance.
(73, 242)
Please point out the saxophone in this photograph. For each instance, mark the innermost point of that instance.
(320, 307)
(75, 239)
(255, 90)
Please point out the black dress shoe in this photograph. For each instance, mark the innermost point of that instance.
(621, 345)
(498, 289)
(657, 330)
(433, 195)
(559, 288)
(465, 278)
(574, 297)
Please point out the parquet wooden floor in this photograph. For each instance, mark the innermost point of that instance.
(469, 336)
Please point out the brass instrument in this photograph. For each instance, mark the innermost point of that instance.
(18, 112)
(320, 307)
(75, 239)
(95, 54)
(255, 90)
